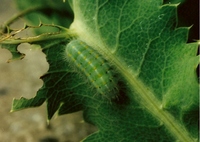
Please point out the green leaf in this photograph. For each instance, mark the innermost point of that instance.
(152, 54)
(155, 67)
(47, 12)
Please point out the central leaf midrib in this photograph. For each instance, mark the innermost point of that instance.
(151, 103)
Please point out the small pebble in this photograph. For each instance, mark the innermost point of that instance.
(48, 139)
(3, 91)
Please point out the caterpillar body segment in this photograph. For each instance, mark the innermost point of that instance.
(93, 66)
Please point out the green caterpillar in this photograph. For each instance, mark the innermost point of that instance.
(93, 66)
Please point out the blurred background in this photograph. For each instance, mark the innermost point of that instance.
(21, 78)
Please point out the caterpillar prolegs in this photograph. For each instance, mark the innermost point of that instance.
(93, 66)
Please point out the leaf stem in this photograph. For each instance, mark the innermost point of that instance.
(42, 37)
(16, 17)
